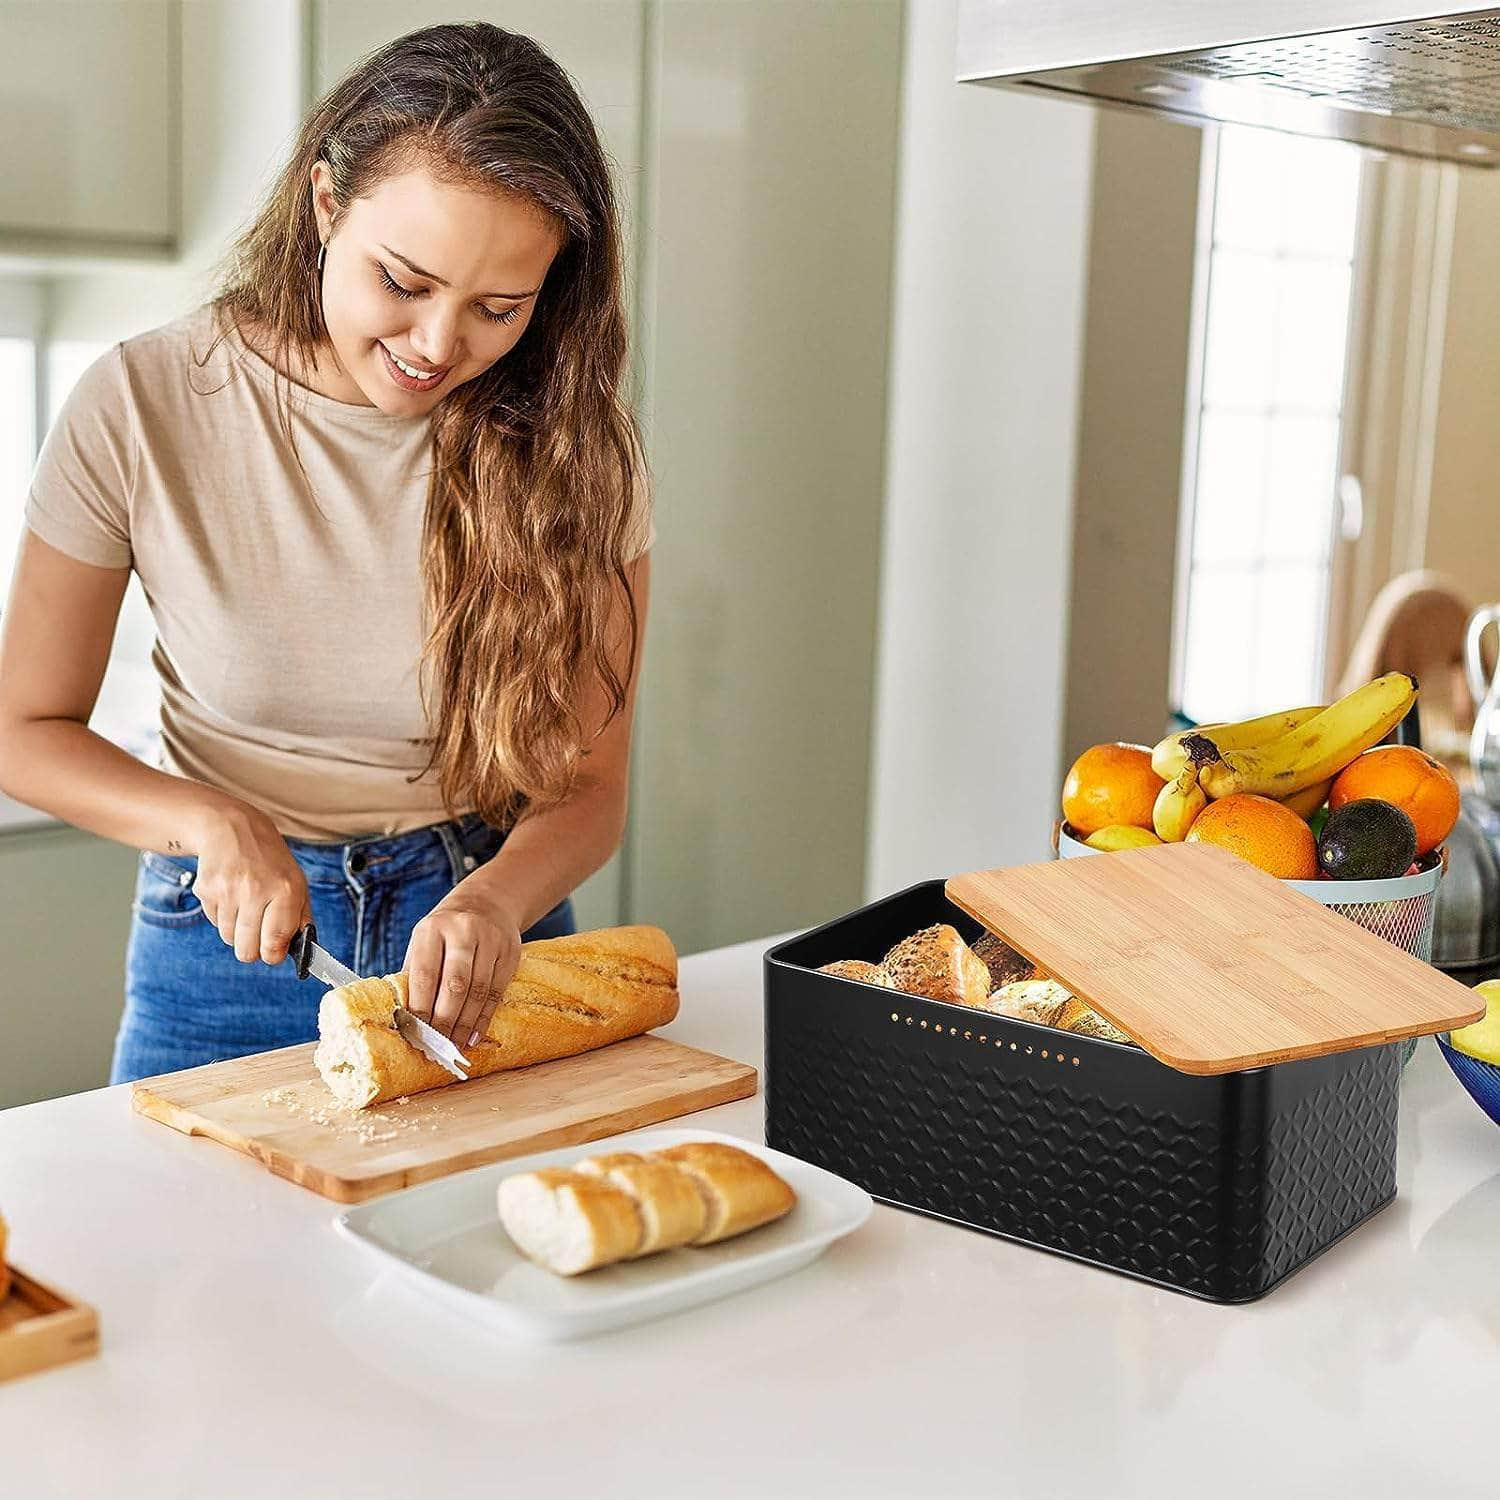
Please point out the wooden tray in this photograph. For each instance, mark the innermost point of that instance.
(274, 1107)
(40, 1327)
(1208, 962)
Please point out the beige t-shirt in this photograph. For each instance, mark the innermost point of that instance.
(288, 641)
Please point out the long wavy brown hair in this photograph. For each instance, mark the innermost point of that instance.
(536, 460)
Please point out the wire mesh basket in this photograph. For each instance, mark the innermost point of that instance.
(1400, 910)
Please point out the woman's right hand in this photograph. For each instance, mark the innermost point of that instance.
(252, 889)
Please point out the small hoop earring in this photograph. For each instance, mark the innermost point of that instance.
(322, 251)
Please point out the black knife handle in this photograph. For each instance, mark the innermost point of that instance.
(297, 949)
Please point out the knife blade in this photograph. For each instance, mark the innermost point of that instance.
(431, 1042)
(309, 957)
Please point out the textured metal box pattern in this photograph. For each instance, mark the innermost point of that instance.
(1217, 1186)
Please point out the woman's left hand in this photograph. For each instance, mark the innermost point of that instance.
(461, 956)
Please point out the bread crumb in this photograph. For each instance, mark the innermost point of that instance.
(371, 1127)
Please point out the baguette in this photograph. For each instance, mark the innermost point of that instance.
(569, 995)
(569, 1221)
(937, 964)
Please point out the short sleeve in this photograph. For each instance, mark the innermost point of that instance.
(640, 527)
(79, 500)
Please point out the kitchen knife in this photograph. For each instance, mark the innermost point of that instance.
(308, 958)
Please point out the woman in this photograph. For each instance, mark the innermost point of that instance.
(387, 503)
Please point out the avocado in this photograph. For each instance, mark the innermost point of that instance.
(1367, 840)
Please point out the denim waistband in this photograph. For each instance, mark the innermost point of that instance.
(458, 846)
(461, 844)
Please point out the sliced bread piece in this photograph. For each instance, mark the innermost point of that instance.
(671, 1207)
(738, 1189)
(569, 1221)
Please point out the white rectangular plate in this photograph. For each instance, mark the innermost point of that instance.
(447, 1235)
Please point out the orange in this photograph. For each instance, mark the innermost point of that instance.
(1110, 784)
(1423, 788)
(1261, 831)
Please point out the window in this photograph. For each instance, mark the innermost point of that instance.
(1263, 431)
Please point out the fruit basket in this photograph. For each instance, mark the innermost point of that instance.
(1481, 1080)
(1310, 795)
(1475, 1061)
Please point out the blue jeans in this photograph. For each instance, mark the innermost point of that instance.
(189, 1000)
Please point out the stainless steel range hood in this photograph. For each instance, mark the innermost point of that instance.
(1393, 77)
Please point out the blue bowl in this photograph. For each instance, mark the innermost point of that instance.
(1481, 1079)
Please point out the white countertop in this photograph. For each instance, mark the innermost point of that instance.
(248, 1351)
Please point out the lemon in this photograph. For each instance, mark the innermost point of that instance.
(1121, 836)
(1482, 1039)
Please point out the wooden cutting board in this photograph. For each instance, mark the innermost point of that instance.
(1208, 962)
(274, 1107)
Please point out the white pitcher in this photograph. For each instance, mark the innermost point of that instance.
(1484, 747)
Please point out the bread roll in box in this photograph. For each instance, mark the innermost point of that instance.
(1218, 1185)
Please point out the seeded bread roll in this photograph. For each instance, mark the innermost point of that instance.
(1049, 1004)
(859, 968)
(738, 1189)
(1041, 1000)
(569, 995)
(569, 1222)
(1086, 1021)
(937, 964)
(1006, 966)
(671, 1207)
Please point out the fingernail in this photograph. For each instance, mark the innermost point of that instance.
(473, 1037)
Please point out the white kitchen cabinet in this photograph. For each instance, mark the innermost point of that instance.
(756, 147)
(88, 113)
(63, 926)
(599, 43)
(775, 139)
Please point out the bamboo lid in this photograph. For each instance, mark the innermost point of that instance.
(1211, 964)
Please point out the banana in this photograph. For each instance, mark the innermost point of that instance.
(1305, 804)
(1121, 836)
(1169, 756)
(1315, 750)
(1177, 804)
